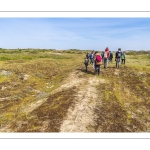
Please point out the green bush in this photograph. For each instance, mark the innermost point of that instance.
(27, 57)
(3, 58)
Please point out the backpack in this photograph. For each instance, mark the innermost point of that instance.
(86, 62)
(119, 54)
(123, 56)
(98, 58)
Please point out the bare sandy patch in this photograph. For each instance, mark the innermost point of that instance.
(81, 117)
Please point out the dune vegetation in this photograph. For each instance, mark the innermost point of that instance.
(49, 91)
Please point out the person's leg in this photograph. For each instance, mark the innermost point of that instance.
(119, 63)
(93, 65)
(92, 61)
(95, 69)
(111, 60)
(86, 68)
(105, 62)
(98, 69)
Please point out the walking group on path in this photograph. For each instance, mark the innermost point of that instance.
(96, 59)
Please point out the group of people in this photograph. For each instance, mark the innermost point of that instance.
(96, 59)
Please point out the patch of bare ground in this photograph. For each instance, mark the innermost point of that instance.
(75, 78)
(46, 115)
(70, 108)
(80, 118)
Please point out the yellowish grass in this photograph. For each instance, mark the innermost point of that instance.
(124, 93)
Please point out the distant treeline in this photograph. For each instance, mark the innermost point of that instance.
(35, 51)
(132, 52)
(32, 50)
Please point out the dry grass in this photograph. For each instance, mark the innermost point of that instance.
(125, 100)
(28, 104)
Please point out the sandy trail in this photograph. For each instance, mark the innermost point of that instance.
(81, 117)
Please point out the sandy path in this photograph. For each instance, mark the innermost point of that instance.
(80, 118)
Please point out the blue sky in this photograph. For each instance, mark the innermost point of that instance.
(78, 33)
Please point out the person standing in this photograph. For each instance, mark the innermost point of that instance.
(87, 55)
(102, 54)
(91, 57)
(118, 57)
(106, 57)
(123, 58)
(86, 62)
(94, 53)
(111, 57)
(98, 62)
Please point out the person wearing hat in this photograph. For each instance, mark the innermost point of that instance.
(118, 57)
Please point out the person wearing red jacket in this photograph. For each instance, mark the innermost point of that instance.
(106, 57)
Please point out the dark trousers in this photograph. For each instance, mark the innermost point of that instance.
(86, 68)
(91, 61)
(97, 69)
(123, 61)
(105, 62)
(110, 60)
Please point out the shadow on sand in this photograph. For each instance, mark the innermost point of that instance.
(88, 72)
